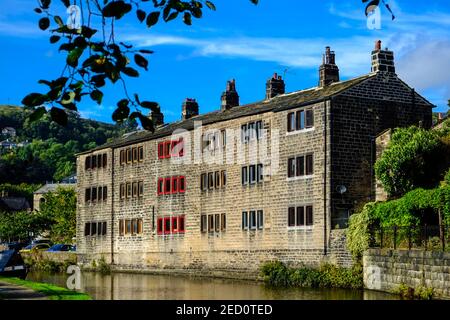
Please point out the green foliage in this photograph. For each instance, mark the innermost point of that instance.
(17, 225)
(358, 232)
(21, 190)
(411, 160)
(103, 267)
(59, 209)
(410, 293)
(276, 273)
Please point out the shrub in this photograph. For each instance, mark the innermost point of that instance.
(103, 267)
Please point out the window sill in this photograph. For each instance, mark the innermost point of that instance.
(293, 133)
(300, 178)
(306, 228)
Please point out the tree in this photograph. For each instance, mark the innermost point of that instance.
(411, 160)
(59, 210)
(93, 57)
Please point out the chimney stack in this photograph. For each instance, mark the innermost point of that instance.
(382, 60)
(189, 109)
(275, 86)
(440, 116)
(230, 97)
(328, 71)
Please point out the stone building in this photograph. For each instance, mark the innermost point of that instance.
(141, 206)
(39, 195)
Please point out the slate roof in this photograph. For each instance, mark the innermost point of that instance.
(50, 187)
(14, 203)
(279, 103)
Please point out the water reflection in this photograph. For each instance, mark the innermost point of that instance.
(124, 286)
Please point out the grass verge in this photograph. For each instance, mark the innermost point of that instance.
(49, 290)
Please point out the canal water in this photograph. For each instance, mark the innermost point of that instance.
(125, 286)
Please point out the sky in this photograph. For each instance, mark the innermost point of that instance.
(241, 41)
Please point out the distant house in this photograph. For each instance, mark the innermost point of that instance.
(38, 196)
(13, 204)
(9, 131)
(6, 144)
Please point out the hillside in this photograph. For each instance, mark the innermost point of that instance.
(50, 154)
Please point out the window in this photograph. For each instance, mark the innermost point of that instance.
(309, 164)
(87, 229)
(181, 224)
(160, 186)
(129, 191)
(211, 223)
(161, 150)
(224, 138)
(291, 167)
(141, 189)
(252, 219)
(210, 180)
(300, 216)
(174, 225)
(244, 175)
(122, 157)
(260, 173)
(251, 131)
(244, 220)
(134, 226)
(105, 160)
(217, 222)
(181, 147)
(93, 162)
(217, 179)
(129, 156)
(252, 171)
(300, 166)
(260, 222)
(244, 133)
(259, 130)
(166, 225)
(122, 190)
(203, 181)
(173, 148)
(141, 154)
(121, 228)
(100, 193)
(87, 163)
(134, 152)
(140, 226)
(223, 224)
(167, 186)
(94, 194)
(167, 146)
(100, 160)
(93, 229)
(182, 184)
(300, 120)
(223, 178)
(174, 184)
(135, 189)
(105, 193)
(127, 227)
(291, 122)
(99, 228)
(160, 226)
(309, 121)
(203, 223)
(87, 195)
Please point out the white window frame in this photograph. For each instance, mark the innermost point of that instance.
(260, 219)
(245, 220)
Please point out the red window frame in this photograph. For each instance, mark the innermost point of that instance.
(160, 226)
(161, 150)
(182, 184)
(181, 224)
(174, 219)
(173, 150)
(167, 181)
(165, 224)
(175, 188)
(160, 186)
(167, 150)
(181, 149)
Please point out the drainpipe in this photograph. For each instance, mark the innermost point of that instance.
(325, 179)
(112, 205)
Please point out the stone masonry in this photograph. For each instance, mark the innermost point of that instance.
(347, 117)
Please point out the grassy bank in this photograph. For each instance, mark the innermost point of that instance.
(326, 276)
(51, 291)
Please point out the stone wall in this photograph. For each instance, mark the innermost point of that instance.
(57, 257)
(386, 270)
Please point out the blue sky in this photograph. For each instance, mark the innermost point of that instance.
(245, 42)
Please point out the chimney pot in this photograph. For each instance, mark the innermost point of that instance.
(328, 71)
(378, 45)
(230, 97)
(275, 86)
(382, 60)
(189, 109)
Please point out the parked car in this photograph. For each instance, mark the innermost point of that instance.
(36, 247)
(60, 247)
(38, 241)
